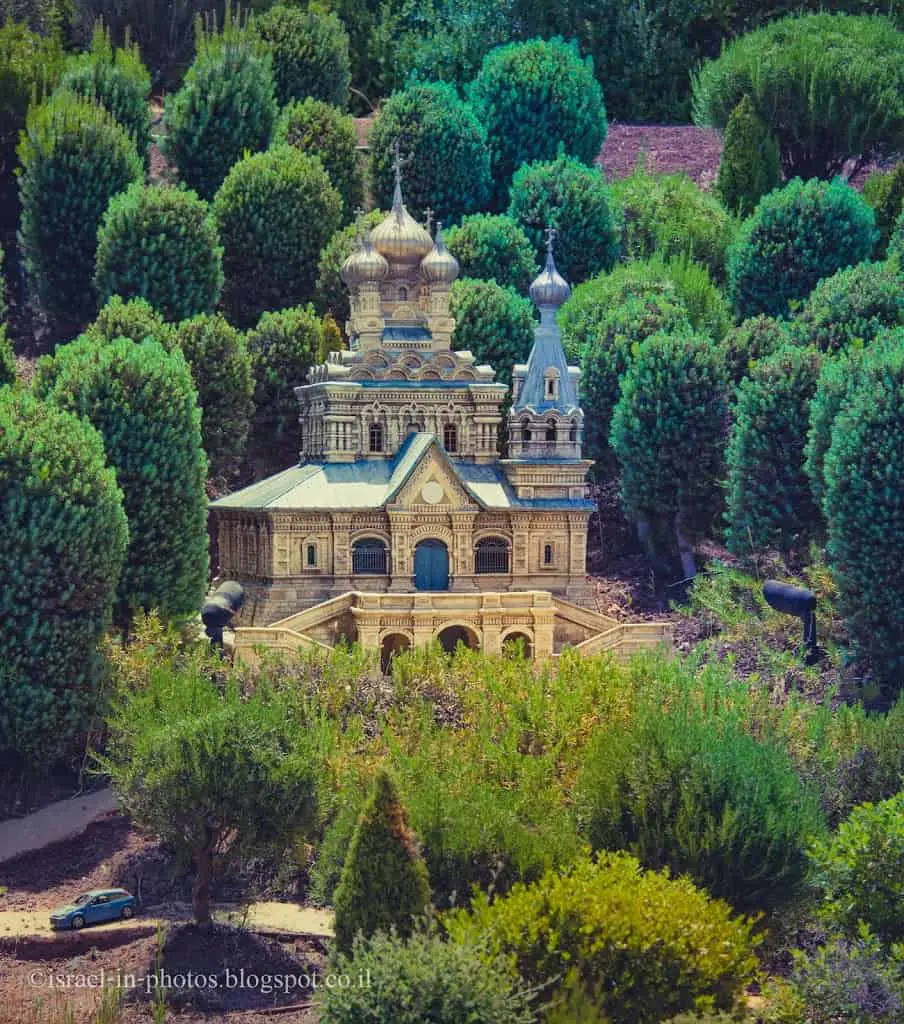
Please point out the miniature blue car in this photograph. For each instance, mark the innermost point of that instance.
(93, 907)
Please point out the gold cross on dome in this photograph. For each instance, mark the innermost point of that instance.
(550, 233)
(398, 161)
(428, 219)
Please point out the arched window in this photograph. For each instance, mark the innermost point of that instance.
(376, 437)
(573, 432)
(547, 554)
(525, 430)
(550, 431)
(403, 294)
(450, 437)
(312, 554)
(369, 557)
(413, 428)
(491, 555)
(552, 384)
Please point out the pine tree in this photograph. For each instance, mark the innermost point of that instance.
(750, 165)
(384, 881)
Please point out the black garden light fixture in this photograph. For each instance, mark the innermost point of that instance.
(800, 602)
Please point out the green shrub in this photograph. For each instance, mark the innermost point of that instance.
(750, 165)
(896, 245)
(667, 431)
(770, 502)
(647, 946)
(703, 798)
(284, 346)
(616, 332)
(275, 212)
(864, 512)
(493, 247)
(578, 202)
(226, 105)
(384, 884)
(829, 87)
(160, 244)
(670, 215)
(851, 307)
(61, 551)
(118, 81)
(320, 130)
(755, 338)
(446, 144)
(860, 872)
(142, 401)
(331, 293)
(220, 364)
(75, 158)
(884, 191)
(310, 53)
(798, 235)
(7, 359)
(707, 308)
(494, 323)
(423, 978)
(534, 98)
(136, 320)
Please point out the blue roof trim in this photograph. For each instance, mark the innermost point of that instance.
(547, 353)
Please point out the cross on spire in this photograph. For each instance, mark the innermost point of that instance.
(398, 162)
(550, 233)
(359, 216)
(428, 219)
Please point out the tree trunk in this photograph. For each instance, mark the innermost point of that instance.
(200, 891)
(685, 549)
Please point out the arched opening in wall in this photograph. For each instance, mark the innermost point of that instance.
(517, 645)
(369, 557)
(376, 437)
(573, 432)
(491, 555)
(550, 431)
(450, 437)
(525, 431)
(392, 645)
(452, 636)
(413, 427)
(547, 554)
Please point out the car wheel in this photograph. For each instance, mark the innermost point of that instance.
(127, 912)
(78, 922)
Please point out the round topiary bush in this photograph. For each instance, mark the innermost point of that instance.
(830, 88)
(445, 144)
(669, 215)
(798, 235)
(424, 978)
(118, 81)
(310, 53)
(755, 338)
(275, 212)
(136, 320)
(62, 544)
(576, 200)
(320, 130)
(534, 98)
(494, 323)
(884, 191)
(851, 307)
(226, 105)
(643, 945)
(896, 245)
(493, 247)
(221, 370)
(161, 244)
(331, 293)
(75, 158)
(702, 797)
(142, 401)
(770, 502)
(750, 165)
(7, 359)
(864, 510)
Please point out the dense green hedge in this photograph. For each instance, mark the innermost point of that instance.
(537, 99)
(830, 88)
(275, 212)
(142, 401)
(160, 244)
(136, 319)
(494, 323)
(884, 191)
(75, 158)
(331, 293)
(493, 247)
(446, 144)
(63, 536)
(798, 235)
(753, 339)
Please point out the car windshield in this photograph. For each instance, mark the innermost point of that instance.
(80, 901)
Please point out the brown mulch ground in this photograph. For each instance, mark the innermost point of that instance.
(667, 149)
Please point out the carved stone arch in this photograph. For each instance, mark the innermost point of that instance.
(412, 360)
(397, 374)
(375, 358)
(430, 375)
(393, 630)
(444, 362)
(473, 632)
(366, 375)
(370, 533)
(492, 531)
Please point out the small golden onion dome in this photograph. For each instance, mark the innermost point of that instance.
(365, 264)
(399, 237)
(439, 266)
(549, 288)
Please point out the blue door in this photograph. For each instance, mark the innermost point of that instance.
(431, 566)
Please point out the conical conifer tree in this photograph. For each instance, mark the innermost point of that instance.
(750, 165)
(384, 881)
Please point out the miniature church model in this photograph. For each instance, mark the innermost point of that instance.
(401, 520)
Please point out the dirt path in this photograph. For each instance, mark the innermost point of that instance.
(53, 823)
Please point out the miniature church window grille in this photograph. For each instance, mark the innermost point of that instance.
(312, 554)
(376, 437)
(547, 554)
(450, 437)
(491, 556)
(369, 557)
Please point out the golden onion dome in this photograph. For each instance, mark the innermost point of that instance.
(365, 264)
(439, 266)
(399, 237)
(549, 287)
